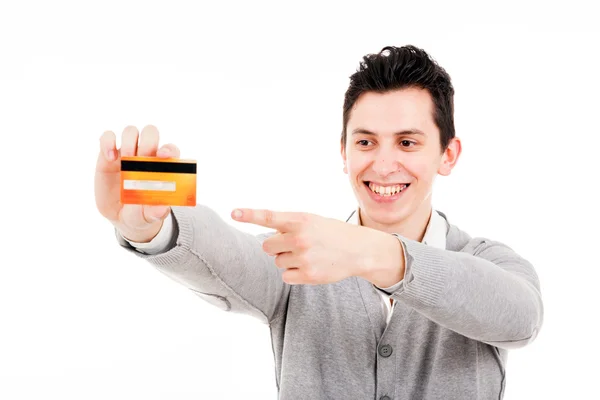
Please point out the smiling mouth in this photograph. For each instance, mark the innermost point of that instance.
(388, 190)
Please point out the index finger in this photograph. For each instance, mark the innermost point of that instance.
(281, 221)
(108, 154)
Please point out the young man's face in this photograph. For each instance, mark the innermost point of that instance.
(403, 148)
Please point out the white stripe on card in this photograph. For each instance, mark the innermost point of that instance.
(129, 184)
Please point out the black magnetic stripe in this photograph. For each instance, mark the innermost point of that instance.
(158, 166)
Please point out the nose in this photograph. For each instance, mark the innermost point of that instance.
(386, 162)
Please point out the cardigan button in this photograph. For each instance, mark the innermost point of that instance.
(385, 398)
(385, 350)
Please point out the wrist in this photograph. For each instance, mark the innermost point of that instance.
(145, 235)
(385, 264)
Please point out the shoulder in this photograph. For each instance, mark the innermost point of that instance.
(460, 240)
(495, 251)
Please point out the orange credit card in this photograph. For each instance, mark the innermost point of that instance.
(158, 181)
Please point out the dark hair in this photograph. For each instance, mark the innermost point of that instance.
(404, 67)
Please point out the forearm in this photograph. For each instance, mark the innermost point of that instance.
(221, 264)
(492, 296)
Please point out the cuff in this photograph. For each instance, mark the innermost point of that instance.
(161, 242)
(182, 236)
(391, 289)
(424, 276)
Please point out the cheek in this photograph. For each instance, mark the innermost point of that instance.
(422, 171)
(357, 163)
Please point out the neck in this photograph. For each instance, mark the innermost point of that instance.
(413, 227)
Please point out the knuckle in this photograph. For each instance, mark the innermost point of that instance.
(304, 218)
(311, 275)
(301, 220)
(269, 217)
(266, 246)
(279, 261)
(304, 261)
(301, 242)
(286, 277)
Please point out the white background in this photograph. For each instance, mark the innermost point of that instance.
(254, 92)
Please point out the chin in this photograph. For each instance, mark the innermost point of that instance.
(386, 216)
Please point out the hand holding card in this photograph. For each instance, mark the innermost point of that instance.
(136, 185)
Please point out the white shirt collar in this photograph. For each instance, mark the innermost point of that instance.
(435, 234)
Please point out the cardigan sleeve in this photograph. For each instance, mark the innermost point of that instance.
(486, 292)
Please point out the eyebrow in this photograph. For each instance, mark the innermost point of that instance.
(362, 131)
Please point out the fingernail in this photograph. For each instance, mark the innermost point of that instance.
(237, 213)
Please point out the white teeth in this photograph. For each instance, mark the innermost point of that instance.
(386, 190)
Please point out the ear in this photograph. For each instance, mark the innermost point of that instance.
(343, 151)
(450, 157)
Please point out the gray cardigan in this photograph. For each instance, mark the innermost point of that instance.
(457, 313)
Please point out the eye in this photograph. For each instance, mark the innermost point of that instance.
(407, 143)
(363, 142)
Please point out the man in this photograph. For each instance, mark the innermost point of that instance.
(395, 303)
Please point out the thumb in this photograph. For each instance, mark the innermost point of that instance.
(155, 213)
